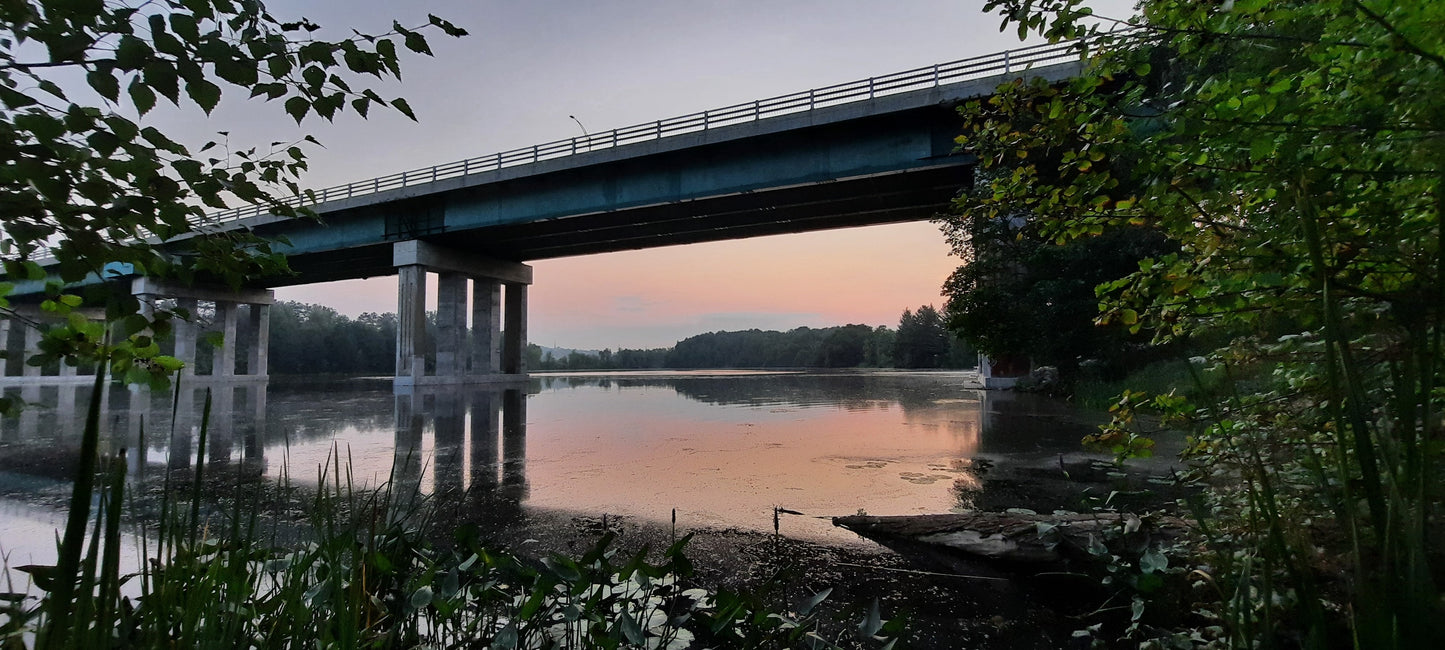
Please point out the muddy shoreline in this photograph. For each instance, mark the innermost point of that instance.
(954, 603)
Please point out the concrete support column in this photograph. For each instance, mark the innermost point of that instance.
(451, 323)
(253, 442)
(411, 321)
(260, 326)
(224, 363)
(486, 326)
(31, 346)
(514, 344)
(4, 347)
(185, 331)
(412, 259)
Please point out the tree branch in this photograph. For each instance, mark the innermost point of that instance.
(1438, 60)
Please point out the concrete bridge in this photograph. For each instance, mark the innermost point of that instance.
(874, 151)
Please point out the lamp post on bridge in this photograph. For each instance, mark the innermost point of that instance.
(585, 134)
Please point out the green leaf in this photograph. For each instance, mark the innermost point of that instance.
(296, 107)
(631, 630)
(507, 637)
(1153, 560)
(161, 77)
(132, 53)
(105, 83)
(204, 93)
(416, 43)
(315, 76)
(873, 622)
(812, 601)
(421, 597)
(401, 105)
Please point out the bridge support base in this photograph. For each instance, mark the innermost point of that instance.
(485, 352)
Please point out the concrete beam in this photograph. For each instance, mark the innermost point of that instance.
(156, 289)
(440, 258)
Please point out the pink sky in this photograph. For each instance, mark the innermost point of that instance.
(654, 297)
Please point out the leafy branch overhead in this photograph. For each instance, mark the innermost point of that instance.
(87, 181)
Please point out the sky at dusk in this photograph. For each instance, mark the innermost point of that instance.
(528, 66)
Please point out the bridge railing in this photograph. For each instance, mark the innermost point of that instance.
(1004, 62)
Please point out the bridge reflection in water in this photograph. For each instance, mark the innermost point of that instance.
(447, 440)
(722, 448)
(479, 440)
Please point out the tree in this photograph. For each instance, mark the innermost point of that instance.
(1021, 295)
(86, 184)
(922, 340)
(1292, 152)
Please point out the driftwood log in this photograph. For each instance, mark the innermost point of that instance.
(1017, 538)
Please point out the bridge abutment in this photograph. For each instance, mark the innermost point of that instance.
(486, 351)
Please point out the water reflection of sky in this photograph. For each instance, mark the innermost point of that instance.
(722, 448)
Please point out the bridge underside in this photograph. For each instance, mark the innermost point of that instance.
(890, 197)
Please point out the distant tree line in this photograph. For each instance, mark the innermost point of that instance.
(922, 340)
(312, 339)
(307, 339)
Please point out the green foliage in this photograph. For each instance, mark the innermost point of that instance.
(312, 339)
(622, 359)
(920, 342)
(1019, 294)
(83, 182)
(1290, 150)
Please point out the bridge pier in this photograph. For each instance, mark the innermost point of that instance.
(226, 306)
(20, 336)
(499, 289)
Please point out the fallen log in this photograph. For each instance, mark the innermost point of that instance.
(1019, 537)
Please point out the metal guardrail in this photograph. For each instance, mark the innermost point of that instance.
(964, 69)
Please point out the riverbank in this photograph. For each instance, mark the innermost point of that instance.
(955, 603)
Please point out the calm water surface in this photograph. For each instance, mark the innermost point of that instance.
(722, 448)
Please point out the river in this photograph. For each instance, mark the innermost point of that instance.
(721, 449)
